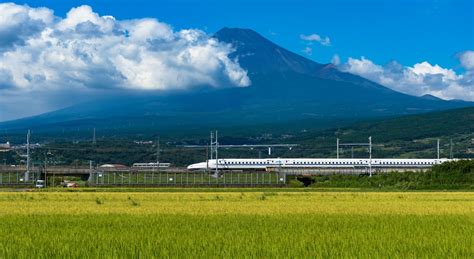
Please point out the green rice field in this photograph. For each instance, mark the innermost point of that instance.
(241, 223)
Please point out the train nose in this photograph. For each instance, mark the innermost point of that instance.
(194, 167)
(198, 166)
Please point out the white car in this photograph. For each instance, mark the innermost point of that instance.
(39, 184)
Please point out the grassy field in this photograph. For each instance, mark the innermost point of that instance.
(237, 224)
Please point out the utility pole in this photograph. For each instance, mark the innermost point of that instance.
(212, 144)
(27, 173)
(217, 147)
(370, 156)
(44, 167)
(451, 149)
(211, 149)
(337, 148)
(207, 158)
(437, 147)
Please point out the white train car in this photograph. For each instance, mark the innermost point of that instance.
(150, 165)
(315, 163)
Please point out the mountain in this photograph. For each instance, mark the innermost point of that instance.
(285, 87)
(260, 56)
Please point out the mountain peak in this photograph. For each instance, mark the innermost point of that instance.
(431, 97)
(241, 35)
(261, 56)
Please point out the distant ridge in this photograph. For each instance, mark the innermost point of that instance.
(431, 97)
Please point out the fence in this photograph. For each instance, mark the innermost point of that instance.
(147, 178)
(227, 178)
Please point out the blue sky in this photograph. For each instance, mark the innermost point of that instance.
(54, 54)
(408, 31)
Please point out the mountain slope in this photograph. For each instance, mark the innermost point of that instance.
(406, 136)
(285, 87)
(260, 56)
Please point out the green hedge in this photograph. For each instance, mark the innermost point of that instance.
(450, 175)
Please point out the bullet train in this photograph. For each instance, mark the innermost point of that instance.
(316, 163)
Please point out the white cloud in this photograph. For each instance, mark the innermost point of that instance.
(19, 23)
(419, 79)
(335, 60)
(467, 59)
(325, 41)
(40, 52)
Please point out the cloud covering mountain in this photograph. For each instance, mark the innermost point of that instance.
(421, 78)
(40, 52)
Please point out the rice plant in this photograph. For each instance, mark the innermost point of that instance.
(237, 224)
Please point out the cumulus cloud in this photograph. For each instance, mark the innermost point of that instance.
(419, 79)
(325, 41)
(19, 23)
(85, 50)
(41, 52)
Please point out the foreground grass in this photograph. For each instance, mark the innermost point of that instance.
(237, 224)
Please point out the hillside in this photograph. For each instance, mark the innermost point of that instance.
(411, 136)
(406, 136)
